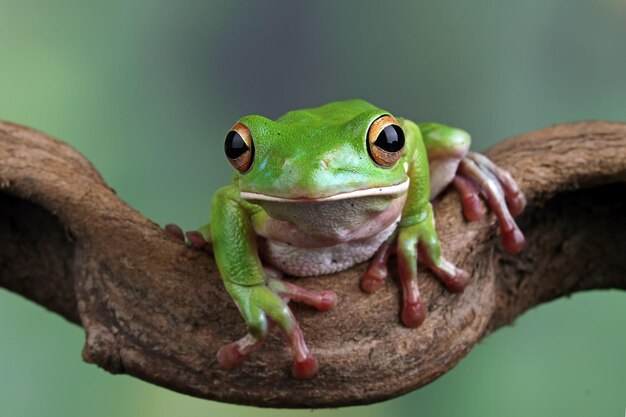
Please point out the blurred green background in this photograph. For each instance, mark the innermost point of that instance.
(147, 90)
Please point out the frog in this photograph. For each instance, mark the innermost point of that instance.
(319, 190)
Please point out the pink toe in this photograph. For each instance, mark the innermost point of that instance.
(516, 204)
(371, 283)
(328, 300)
(305, 369)
(413, 314)
(196, 240)
(459, 282)
(175, 231)
(513, 241)
(228, 356)
(473, 208)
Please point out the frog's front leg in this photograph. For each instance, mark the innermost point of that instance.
(260, 295)
(417, 236)
(473, 174)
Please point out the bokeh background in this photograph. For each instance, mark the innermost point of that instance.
(147, 90)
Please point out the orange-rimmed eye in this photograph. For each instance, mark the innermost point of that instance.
(385, 141)
(239, 148)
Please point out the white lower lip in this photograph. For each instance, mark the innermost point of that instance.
(388, 190)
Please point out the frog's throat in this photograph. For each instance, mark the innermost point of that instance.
(375, 191)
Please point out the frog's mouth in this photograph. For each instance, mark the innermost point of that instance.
(367, 192)
(338, 218)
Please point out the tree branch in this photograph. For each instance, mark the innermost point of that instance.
(157, 310)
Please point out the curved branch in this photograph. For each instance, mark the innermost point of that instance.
(157, 310)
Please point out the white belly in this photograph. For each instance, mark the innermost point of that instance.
(298, 261)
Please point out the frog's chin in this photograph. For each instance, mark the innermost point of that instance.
(389, 190)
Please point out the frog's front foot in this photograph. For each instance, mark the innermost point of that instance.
(269, 301)
(414, 241)
(478, 175)
(194, 239)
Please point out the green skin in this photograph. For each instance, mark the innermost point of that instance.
(286, 165)
(339, 130)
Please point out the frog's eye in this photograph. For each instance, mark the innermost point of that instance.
(385, 141)
(239, 148)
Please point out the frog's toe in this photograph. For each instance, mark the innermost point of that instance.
(233, 354)
(195, 239)
(516, 202)
(373, 279)
(175, 231)
(459, 281)
(305, 369)
(327, 300)
(376, 273)
(473, 207)
(320, 300)
(455, 279)
(229, 356)
(304, 364)
(513, 240)
(413, 314)
(375, 276)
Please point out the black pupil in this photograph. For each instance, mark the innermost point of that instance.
(390, 139)
(234, 146)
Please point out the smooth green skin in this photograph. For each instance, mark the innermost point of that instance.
(282, 167)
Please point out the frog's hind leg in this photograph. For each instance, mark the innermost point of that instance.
(501, 192)
(473, 174)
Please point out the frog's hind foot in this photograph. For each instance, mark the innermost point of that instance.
(478, 175)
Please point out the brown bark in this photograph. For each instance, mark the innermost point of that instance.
(157, 310)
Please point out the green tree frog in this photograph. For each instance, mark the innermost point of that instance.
(319, 190)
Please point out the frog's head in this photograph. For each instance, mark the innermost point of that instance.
(341, 151)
